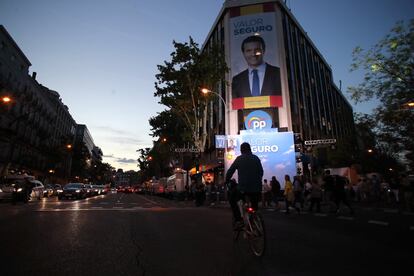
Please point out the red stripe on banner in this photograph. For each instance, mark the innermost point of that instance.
(237, 103)
(234, 12)
(276, 101)
(268, 7)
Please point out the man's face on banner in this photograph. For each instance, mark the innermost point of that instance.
(253, 53)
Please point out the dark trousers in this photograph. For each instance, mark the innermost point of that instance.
(316, 201)
(235, 196)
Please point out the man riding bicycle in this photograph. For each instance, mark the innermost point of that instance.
(250, 172)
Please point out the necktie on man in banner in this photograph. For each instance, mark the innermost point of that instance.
(256, 85)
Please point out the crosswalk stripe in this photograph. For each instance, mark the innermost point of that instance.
(383, 223)
(345, 218)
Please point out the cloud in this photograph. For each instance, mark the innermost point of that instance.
(290, 150)
(280, 166)
(122, 160)
(126, 160)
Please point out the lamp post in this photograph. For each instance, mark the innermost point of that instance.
(205, 91)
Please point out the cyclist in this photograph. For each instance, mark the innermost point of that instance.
(250, 172)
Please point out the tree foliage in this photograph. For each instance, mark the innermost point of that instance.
(178, 86)
(389, 77)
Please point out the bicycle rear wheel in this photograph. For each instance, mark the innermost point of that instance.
(257, 235)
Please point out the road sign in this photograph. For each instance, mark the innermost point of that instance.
(320, 142)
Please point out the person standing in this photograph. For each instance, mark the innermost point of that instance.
(328, 186)
(340, 194)
(315, 196)
(275, 189)
(298, 190)
(289, 194)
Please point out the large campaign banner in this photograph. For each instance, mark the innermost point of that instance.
(255, 66)
(276, 151)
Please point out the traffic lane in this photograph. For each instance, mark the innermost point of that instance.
(114, 243)
(69, 243)
(335, 246)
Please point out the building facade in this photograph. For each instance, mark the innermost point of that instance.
(295, 87)
(36, 126)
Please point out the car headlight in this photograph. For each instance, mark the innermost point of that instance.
(60, 191)
(19, 190)
(78, 191)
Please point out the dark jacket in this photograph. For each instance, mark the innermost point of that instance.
(250, 172)
(271, 84)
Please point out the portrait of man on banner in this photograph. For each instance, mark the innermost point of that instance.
(256, 80)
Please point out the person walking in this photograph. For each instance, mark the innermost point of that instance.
(289, 194)
(298, 190)
(328, 186)
(339, 193)
(315, 196)
(275, 190)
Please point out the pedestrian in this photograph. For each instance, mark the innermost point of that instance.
(395, 188)
(298, 190)
(263, 192)
(315, 196)
(267, 193)
(307, 192)
(339, 193)
(328, 186)
(289, 194)
(275, 188)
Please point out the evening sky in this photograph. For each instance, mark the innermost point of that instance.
(101, 56)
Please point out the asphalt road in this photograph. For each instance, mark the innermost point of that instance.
(129, 234)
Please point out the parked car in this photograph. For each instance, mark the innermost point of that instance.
(97, 189)
(73, 190)
(6, 191)
(89, 190)
(49, 190)
(37, 189)
(57, 188)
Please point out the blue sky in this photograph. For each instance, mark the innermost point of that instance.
(101, 55)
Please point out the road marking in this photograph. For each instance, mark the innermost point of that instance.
(345, 218)
(383, 223)
(153, 202)
(120, 209)
(320, 215)
(394, 211)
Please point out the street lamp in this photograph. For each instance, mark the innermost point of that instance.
(205, 91)
(6, 99)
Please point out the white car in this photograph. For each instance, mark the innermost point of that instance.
(37, 190)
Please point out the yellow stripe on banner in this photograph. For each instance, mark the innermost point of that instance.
(257, 102)
(251, 9)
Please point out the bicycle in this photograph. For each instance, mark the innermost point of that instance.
(253, 228)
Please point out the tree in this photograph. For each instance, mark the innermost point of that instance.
(374, 155)
(178, 85)
(389, 77)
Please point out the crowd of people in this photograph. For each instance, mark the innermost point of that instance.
(332, 191)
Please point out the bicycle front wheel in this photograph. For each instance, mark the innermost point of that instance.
(257, 235)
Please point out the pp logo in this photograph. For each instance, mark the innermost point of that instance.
(258, 123)
(258, 120)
